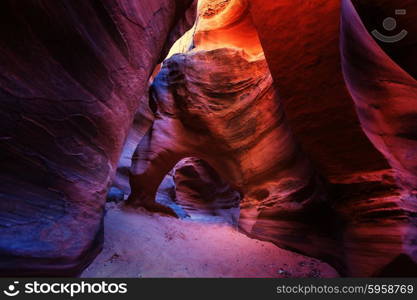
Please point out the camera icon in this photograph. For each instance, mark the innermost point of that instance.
(390, 24)
(11, 290)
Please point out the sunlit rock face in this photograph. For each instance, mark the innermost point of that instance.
(72, 76)
(227, 24)
(265, 114)
(283, 196)
(220, 107)
(222, 24)
(301, 43)
(216, 101)
(381, 79)
(372, 216)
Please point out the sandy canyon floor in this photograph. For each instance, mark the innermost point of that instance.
(140, 244)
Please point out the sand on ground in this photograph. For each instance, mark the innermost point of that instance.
(140, 244)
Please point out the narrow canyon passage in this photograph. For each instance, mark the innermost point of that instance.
(215, 100)
(238, 126)
(207, 138)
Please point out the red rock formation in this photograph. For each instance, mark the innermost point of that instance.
(203, 193)
(235, 124)
(142, 121)
(301, 47)
(72, 75)
(226, 24)
(379, 231)
(385, 93)
(380, 80)
(307, 72)
(301, 44)
(216, 102)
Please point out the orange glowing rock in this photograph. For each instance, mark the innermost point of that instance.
(222, 24)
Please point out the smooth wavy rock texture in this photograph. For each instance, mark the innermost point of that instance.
(72, 75)
(202, 192)
(286, 120)
(381, 79)
(231, 118)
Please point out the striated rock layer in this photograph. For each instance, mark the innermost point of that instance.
(193, 189)
(311, 170)
(380, 80)
(301, 43)
(203, 193)
(365, 200)
(304, 58)
(72, 75)
(383, 86)
(201, 98)
(217, 102)
(218, 106)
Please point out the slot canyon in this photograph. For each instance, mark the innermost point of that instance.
(209, 138)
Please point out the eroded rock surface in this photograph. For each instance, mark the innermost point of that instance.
(285, 204)
(380, 79)
(72, 76)
(216, 101)
(311, 169)
(203, 193)
(219, 106)
(383, 86)
(301, 44)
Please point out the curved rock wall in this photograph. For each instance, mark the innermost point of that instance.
(301, 44)
(384, 90)
(286, 207)
(72, 76)
(379, 78)
(226, 24)
(75, 77)
(217, 102)
(235, 124)
(203, 193)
